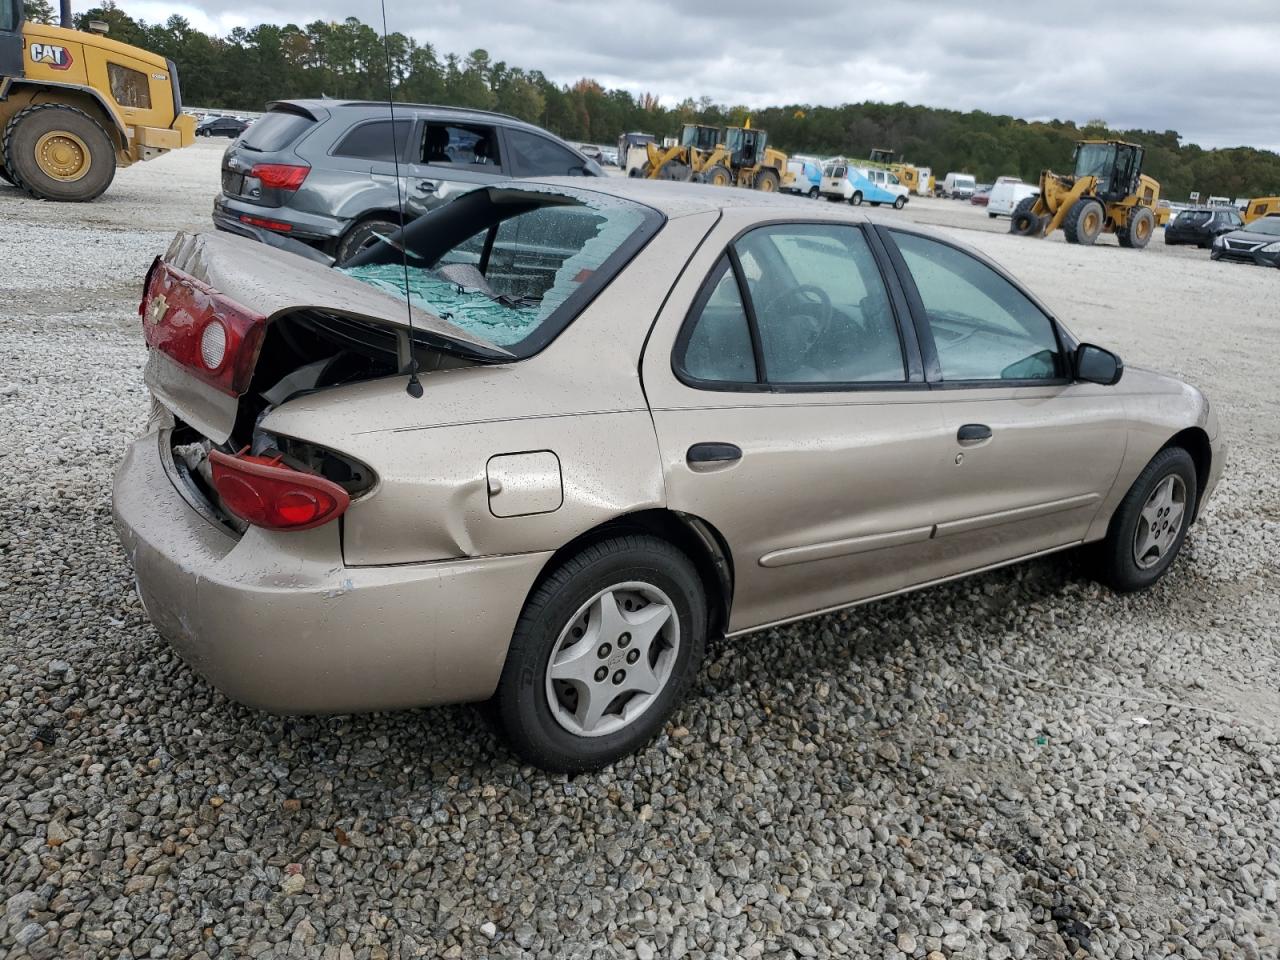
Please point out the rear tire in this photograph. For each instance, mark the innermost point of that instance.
(58, 152)
(1138, 231)
(718, 175)
(1084, 221)
(544, 717)
(813, 193)
(856, 199)
(1146, 532)
(361, 237)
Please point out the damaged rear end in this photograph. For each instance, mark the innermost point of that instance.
(236, 328)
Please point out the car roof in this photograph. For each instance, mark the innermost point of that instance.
(380, 106)
(678, 199)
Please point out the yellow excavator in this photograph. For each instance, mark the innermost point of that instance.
(1106, 193)
(75, 105)
(698, 150)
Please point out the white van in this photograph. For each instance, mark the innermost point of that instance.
(959, 185)
(1007, 194)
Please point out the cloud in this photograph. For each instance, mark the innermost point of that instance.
(1208, 77)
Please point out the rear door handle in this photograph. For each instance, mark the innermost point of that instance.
(713, 453)
(973, 432)
(426, 186)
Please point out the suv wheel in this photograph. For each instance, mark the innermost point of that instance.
(602, 654)
(362, 236)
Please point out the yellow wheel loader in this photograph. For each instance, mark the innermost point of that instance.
(1106, 193)
(75, 105)
(752, 162)
(698, 151)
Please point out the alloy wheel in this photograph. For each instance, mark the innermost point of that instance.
(1159, 522)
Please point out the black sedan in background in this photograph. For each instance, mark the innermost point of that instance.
(1200, 226)
(222, 127)
(1259, 243)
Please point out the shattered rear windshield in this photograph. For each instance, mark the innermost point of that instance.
(524, 274)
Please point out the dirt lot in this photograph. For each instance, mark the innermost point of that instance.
(1018, 765)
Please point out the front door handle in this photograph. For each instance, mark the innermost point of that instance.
(701, 453)
(973, 432)
(426, 186)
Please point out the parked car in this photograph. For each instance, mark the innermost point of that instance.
(646, 414)
(808, 178)
(1201, 226)
(1259, 243)
(222, 127)
(842, 181)
(959, 186)
(1007, 194)
(981, 195)
(325, 171)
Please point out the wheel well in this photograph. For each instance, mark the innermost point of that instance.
(1196, 442)
(699, 540)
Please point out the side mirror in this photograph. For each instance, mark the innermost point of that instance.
(1096, 365)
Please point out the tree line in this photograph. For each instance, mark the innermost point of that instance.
(349, 59)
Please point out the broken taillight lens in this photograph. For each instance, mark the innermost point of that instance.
(265, 492)
(211, 335)
(280, 176)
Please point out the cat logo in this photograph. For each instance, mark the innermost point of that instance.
(58, 58)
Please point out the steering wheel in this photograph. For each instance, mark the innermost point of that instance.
(807, 316)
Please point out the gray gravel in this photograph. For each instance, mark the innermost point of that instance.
(1017, 765)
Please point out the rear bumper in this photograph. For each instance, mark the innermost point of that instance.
(276, 621)
(227, 212)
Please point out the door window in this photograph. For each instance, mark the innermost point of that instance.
(372, 141)
(471, 146)
(129, 88)
(536, 156)
(984, 328)
(719, 346)
(818, 305)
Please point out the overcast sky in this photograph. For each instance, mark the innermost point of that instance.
(1208, 71)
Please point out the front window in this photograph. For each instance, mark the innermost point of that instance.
(129, 87)
(512, 266)
(984, 328)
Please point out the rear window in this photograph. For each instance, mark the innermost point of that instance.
(275, 131)
(513, 266)
(1193, 217)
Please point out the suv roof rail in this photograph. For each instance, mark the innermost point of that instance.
(432, 106)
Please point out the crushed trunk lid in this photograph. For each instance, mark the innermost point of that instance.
(202, 272)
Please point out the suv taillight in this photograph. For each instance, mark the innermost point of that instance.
(280, 176)
(265, 492)
(211, 335)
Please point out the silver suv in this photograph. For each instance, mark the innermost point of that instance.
(324, 171)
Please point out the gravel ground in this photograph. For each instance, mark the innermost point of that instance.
(1017, 765)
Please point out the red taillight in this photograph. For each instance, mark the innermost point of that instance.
(211, 335)
(277, 225)
(280, 176)
(266, 493)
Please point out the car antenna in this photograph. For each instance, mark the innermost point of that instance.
(414, 386)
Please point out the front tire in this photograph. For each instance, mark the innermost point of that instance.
(899, 203)
(1148, 528)
(58, 152)
(1084, 221)
(602, 654)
